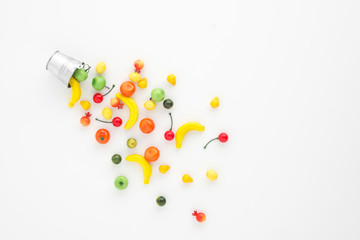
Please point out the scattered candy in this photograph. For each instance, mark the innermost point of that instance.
(102, 136)
(127, 88)
(80, 74)
(171, 79)
(131, 142)
(116, 121)
(121, 182)
(223, 137)
(152, 154)
(164, 168)
(85, 121)
(98, 97)
(147, 170)
(85, 105)
(135, 77)
(212, 175)
(168, 103)
(116, 159)
(180, 133)
(142, 83)
(100, 67)
(169, 135)
(200, 217)
(76, 91)
(157, 95)
(161, 201)
(215, 102)
(147, 125)
(150, 105)
(107, 113)
(138, 64)
(98, 82)
(187, 179)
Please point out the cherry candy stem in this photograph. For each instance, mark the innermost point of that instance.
(109, 90)
(102, 120)
(210, 142)
(171, 122)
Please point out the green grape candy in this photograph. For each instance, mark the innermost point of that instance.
(116, 159)
(161, 201)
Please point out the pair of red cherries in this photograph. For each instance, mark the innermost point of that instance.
(169, 135)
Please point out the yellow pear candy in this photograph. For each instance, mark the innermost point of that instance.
(215, 102)
(187, 179)
(164, 168)
(212, 175)
(85, 105)
(171, 79)
(150, 105)
(135, 77)
(107, 113)
(100, 67)
(143, 83)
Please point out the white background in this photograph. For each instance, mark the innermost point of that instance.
(287, 74)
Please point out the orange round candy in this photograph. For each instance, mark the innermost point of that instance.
(152, 154)
(147, 125)
(127, 88)
(102, 136)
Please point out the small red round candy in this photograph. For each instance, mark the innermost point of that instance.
(223, 137)
(200, 217)
(169, 135)
(98, 98)
(117, 121)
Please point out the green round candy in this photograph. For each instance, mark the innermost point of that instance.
(131, 142)
(121, 182)
(116, 159)
(168, 103)
(157, 95)
(98, 82)
(161, 201)
(80, 74)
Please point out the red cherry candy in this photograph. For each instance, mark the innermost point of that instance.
(117, 121)
(223, 137)
(98, 98)
(169, 135)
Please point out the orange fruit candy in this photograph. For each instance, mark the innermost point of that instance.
(127, 88)
(102, 136)
(147, 125)
(152, 154)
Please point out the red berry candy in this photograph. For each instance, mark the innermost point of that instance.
(223, 137)
(116, 121)
(169, 135)
(200, 217)
(85, 120)
(98, 97)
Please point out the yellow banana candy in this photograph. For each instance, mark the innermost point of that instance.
(180, 133)
(145, 165)
(76, 91)
(134, 111)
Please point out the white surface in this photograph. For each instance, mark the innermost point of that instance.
(287, 74)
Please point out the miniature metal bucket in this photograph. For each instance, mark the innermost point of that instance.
(62, 66)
